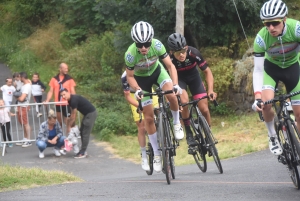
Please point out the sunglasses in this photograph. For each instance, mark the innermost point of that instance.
(273, 23)
(182, 51)
(141, 45)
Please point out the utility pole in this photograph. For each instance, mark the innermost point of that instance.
(179, 17)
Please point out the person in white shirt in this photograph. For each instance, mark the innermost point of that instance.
(23, 108)
(7, 92)
(5, 122)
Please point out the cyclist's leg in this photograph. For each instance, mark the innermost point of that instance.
(292, 84)
(271, 77)
(166, 83)
(141, 129)
(197, 89)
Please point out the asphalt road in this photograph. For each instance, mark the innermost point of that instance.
(256, 176)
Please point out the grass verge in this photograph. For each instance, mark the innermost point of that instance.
(16, 177)
(239, 135)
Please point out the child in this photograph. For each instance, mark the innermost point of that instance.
(37, 90)
(17, 81)
(72, 137)
(7, 92)
(18, 85)
(5, 122)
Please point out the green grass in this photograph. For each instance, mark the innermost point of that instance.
(240, 135)
(16, 177)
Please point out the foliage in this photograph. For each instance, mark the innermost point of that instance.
(223, 76)
(222, 109)
(113, 122)
(31, 14)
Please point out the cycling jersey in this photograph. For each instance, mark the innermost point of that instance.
(128, 89)
(145, 65)
(282, 50)
(193, 58)
(188, 75)
(281, 59)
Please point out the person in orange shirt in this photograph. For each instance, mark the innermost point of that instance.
(58, 82)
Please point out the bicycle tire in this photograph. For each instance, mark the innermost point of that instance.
(164, 150)
(287, 157)
(171, 146)
(150, 156)
(294, 133)
(212, 148)
(199, 154)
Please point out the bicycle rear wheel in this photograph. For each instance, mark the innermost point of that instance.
(199, 151)
(150, 155)
(210, 142)
(163, 142)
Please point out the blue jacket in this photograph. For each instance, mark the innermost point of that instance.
(44, 131)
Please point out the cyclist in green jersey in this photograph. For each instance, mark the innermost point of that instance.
(276, 48)
(143, 70)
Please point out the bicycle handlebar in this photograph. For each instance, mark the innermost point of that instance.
(197, 100)
(281, 98)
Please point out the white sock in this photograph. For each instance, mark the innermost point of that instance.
(153, 141)
(143, 151)
(175, 115)
(271, 129)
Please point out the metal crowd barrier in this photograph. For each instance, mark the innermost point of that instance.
(17, 131)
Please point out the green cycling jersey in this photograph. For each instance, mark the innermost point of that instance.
(144, 65)
(282, 50)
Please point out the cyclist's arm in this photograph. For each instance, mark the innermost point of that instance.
(209, 80)
(131, 80)
(130, 100)
(171, 68)
(258, 74)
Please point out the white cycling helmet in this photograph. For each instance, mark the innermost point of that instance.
(142, 32)
(273, 9)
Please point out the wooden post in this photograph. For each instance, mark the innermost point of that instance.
(179, 17)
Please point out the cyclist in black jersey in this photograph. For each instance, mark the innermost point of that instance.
(186, 59)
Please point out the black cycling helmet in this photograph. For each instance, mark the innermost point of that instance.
(176, 41)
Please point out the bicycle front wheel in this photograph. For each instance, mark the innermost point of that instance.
(199, 151)
(211, 143)
(294, 133)
(163, 142)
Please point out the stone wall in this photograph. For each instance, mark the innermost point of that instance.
(240, 94)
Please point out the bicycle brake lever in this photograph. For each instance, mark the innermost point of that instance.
(214, 101)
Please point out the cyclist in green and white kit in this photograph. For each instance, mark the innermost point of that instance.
(143, 70)
(279, 39)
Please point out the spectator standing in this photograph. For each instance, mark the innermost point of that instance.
(61, 81)
(5, 122)
(89, 113)
(37, 91)
(23, 108)
(7, 92)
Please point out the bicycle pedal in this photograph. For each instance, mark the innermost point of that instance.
(192, 150)
(282, 160)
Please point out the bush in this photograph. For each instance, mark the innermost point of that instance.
(222, 109)
(223, 76)
(115, 121)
